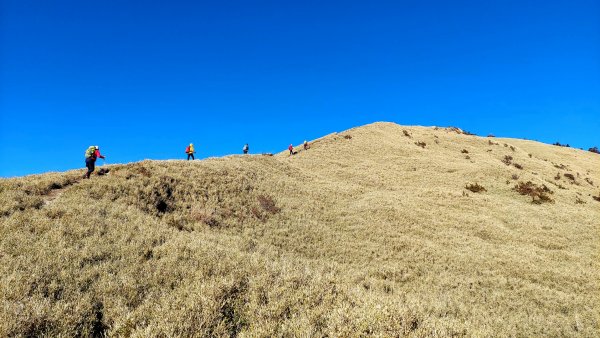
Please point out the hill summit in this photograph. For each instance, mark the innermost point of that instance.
(380, 230)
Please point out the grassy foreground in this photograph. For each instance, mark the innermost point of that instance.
(381, 230)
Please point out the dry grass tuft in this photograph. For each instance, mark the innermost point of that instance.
(518, 166)
(421, 144)
(539, 194)
(268, 204)
(406, 133)
(507, 159)
(475, 187)
(561, 166)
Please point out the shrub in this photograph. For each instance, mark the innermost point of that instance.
(518, 166)
(207, 217)
(268, 204)
(491, 135)
(475, 187)
(539, 194)
(594, 150)
(560, 145)
(515, 176)
(512, 148)
(578, 200)
(557, 177)
(464, 151)
(143, 171)
(421, 144)
(597, 198)
(587, 179)
(258, 213)
(348, 137)
(570, 176)
(507, 160)
(406, 133)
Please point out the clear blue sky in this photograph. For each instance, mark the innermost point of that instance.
(142, 79)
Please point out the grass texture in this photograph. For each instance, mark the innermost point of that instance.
(370, 232)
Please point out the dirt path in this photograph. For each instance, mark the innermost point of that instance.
(53, 195)
(56, 192)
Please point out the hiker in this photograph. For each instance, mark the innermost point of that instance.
(91, 154)
(306, 145)
(291, 149)
(245, 149)
(190, 151)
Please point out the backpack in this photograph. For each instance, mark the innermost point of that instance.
(187, 150)
(90, 152)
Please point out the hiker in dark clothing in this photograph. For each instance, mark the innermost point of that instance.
(246, 148)
(91, 154)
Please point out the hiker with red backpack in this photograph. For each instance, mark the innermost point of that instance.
(91, 154)
(190, 151)
(291, 149)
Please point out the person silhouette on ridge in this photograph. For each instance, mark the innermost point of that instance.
(190, 151)
(91, 154)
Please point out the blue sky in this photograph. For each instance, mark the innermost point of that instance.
(143, 79)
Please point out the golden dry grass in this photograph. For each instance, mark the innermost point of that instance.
(368, 233)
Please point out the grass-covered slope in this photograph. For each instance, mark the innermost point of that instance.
(370, 232)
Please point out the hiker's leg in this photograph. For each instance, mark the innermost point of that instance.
(193, 157)
(89, 163)
(188, 157)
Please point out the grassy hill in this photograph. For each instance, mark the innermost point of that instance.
(372, 231)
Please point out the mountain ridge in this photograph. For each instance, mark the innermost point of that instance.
(371, 231)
